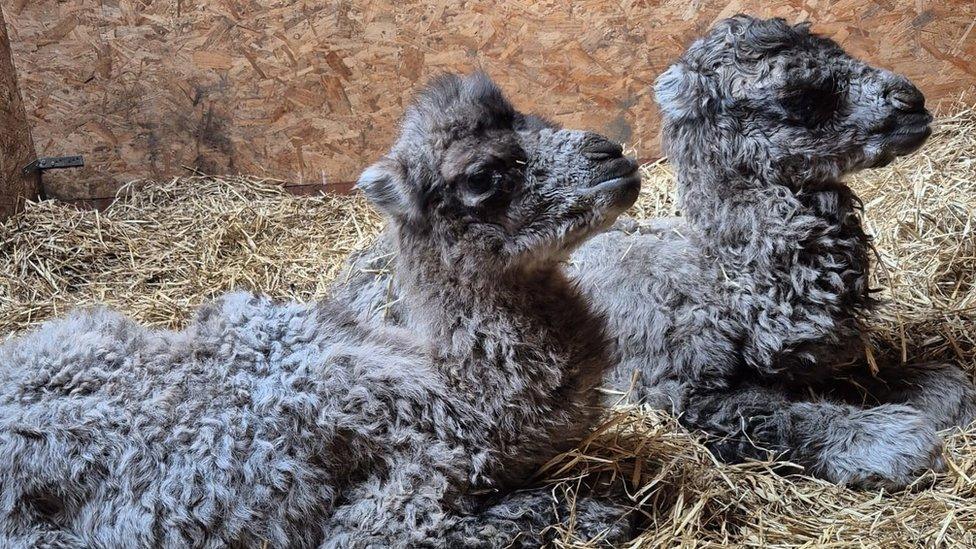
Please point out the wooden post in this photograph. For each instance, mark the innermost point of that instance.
(16, 145)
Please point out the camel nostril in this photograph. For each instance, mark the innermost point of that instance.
(601, 149)
(907, 98)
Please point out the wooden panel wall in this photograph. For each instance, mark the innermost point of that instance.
(310, 90)
(16, 147)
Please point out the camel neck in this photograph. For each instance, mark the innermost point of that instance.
(498, 327)
(508, 344)
(744, 221)
(802, 243)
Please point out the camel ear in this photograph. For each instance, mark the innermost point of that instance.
(678, 92)
(803, 27)
(382, 184)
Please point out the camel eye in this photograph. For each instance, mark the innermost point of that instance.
(810, 103)
(482, 182)
(809, 106)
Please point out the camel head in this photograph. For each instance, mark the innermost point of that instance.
(766, 99)
(492, 188)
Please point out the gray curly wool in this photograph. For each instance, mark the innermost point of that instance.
(297, 425)
(759, 292)
(729, 315)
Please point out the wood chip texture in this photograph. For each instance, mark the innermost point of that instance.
(310, 91)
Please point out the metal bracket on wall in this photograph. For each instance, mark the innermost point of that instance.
(54, 163)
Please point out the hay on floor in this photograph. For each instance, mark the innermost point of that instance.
(165, 247)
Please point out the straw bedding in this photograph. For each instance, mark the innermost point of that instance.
(164, 247)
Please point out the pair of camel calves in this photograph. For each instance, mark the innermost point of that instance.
(411, 409)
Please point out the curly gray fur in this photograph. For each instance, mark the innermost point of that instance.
(727, 315)
(297, 425)
(762, 289)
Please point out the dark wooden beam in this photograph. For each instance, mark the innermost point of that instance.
(16, 145)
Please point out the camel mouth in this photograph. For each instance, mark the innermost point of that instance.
(619, 172)
(907, 133)
(904, 135)
(622, 189)
(628, 182)
(610, 170)
(907, 139)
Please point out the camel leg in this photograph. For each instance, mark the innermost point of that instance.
(887, 446)
(526, 518)
(412, 505)
(403, 506)
(943, 392)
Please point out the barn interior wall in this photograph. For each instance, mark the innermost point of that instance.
(310, 92)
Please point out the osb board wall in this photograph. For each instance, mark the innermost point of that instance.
(309, 91)
(16, 148)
